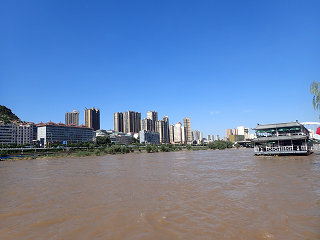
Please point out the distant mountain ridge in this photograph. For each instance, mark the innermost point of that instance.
(7, 116)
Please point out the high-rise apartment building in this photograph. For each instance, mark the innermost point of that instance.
(166, 136)
(161, 130)
(178, 133)
(187, 129)
(171, 132)
(196, 135)
(235, 131)
(183, 136)
(118, 121)
(246, 133)
(146, 124)
(218, 137)
(154, 118)
(131, 122)
(228, 133)
(72, 118)
(92, 118)
(240, 130)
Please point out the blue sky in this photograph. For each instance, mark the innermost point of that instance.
(222, 63)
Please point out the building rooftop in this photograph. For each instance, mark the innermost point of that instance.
(60, 124)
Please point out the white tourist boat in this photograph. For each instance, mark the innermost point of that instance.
(289, 138)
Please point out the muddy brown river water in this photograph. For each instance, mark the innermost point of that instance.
(226, 194)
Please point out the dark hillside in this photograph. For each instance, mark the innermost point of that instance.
(7, 116)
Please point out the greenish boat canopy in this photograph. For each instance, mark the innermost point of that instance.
(271, 130)
(295, 128)
(282, 129)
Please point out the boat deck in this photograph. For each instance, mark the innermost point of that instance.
(282, 153)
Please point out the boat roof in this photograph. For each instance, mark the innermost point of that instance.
(278, 125)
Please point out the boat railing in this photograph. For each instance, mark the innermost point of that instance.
(280, 134)
(282, 148)
(304, 148)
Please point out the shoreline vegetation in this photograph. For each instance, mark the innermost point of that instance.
(59, 152)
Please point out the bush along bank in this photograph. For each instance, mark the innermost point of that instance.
(30, 153)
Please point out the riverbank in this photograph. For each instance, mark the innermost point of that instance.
(96, 152)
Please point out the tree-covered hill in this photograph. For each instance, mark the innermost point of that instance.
(7, 116)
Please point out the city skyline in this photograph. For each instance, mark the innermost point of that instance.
(223, 64)
(119, 125)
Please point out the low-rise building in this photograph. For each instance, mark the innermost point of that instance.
(59, 132)
(7, 133)
(136, 135)
(17, 133)
(100, 133)
(119, 137)
(149, 137)
(236, 138)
